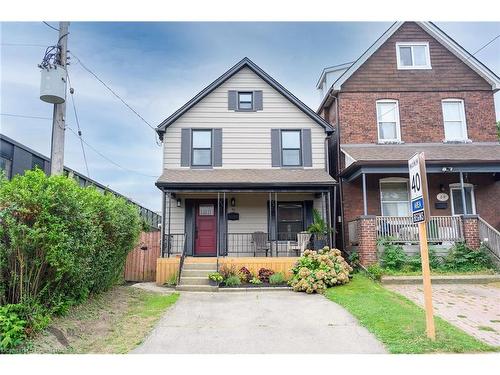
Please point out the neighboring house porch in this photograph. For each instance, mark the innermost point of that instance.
(377, 204)
(242, 213)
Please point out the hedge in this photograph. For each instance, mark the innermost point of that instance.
(59, 243)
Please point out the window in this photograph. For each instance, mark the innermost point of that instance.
(290, 220)
(388, 121)
(290, 148)
(394, 197)
(413, 55)
(206, 210)
(455, 128)
(202, 148)
(6, 166)
(245, 100)
(457, 206)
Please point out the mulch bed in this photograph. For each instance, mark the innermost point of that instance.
(249, 285)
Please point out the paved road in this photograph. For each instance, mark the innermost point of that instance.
(258, 322)
(475, 308)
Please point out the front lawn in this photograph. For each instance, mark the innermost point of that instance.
(112, 322)
(398, 322)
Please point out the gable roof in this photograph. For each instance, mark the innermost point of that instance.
(437, 34)
(245, 62)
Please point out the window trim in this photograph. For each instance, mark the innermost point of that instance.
(394, 180)
(463, 118)
(238, 102)
(427, 66)
(210, 149)
(301, 162)
(398, 124)
(457, 186)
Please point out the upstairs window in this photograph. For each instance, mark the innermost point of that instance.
(388, 121)
(245, 101)
(291, 152)
(413, 55)
(455, 128)
(202, 148)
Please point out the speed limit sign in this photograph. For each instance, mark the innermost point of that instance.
(418, 187)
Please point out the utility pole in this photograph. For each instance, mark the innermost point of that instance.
(59, 115)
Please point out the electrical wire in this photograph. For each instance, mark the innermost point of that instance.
(487, 44)
(114, 93)
(25, 116)
(23, 45)
(71, 91)
(52, 27)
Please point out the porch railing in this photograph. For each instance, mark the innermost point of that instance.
(174, 244)
(402, 229)
(490, 237)
(259, 244)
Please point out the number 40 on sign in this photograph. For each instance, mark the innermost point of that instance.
(417, 172)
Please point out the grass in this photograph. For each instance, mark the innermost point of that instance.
(398, 322)
(113, 322)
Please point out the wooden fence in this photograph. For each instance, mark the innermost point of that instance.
(167, 269)
(141, 262)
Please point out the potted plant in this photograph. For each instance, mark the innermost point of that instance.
(318, 230)
(215, 278)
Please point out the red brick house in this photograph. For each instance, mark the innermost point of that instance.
(415, 89)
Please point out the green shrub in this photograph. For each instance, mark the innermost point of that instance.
(232, 281)
(414, 263)
(463, 258)
(227, 270)
(59, 243)
(376, 271)
(277, 278)
(215, 276)
(393, 257)
(316, 271)
(12, 328)
(255, 280)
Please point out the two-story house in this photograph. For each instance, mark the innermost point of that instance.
(415, 89)
(245, 163)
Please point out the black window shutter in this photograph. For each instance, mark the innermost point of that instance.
(185, 147)
(306, 148)
(232, 104)
(217, 147)
(275, 148)
(257, 100)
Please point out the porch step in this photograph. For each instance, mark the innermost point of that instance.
(196, 272)
(197, 288)
(211, 267)
(189, 280)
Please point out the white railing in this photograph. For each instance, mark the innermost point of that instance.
(490, 237)
(352, 227)
(402, 229)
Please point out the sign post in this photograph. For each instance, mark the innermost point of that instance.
(420, 212)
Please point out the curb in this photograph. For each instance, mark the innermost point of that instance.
(452, 279)
(274, 289)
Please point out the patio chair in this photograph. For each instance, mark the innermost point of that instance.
(301, 244)
(260, 243)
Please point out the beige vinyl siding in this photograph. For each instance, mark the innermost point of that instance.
(246, 135)
(251, 207)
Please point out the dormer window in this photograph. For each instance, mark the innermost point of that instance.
(413, 55)
(245, 101)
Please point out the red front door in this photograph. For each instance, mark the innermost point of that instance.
(205, 240)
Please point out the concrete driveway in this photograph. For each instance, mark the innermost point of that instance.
(258, 322)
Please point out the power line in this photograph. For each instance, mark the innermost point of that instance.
(23, 45)
(105, 157)
(113, 92)
(52, 27)
(71, 91)
(25, 116)
(487, 44)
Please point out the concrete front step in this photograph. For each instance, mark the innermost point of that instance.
(197, 288)
(196, 273)
(189, 280)
(212, 267)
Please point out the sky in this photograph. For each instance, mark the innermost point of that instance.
(157, 67)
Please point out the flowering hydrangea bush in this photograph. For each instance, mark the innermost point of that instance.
(315, 271)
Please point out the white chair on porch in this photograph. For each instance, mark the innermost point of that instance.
(301, 244)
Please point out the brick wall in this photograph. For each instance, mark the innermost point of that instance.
(367, 240)
(471, 231)
(420, 113)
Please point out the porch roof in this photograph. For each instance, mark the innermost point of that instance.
(245, 178)
(385, 158)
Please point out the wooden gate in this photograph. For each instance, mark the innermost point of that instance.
(141, 262)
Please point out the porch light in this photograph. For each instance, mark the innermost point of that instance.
(179, 202)
(233, 202)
